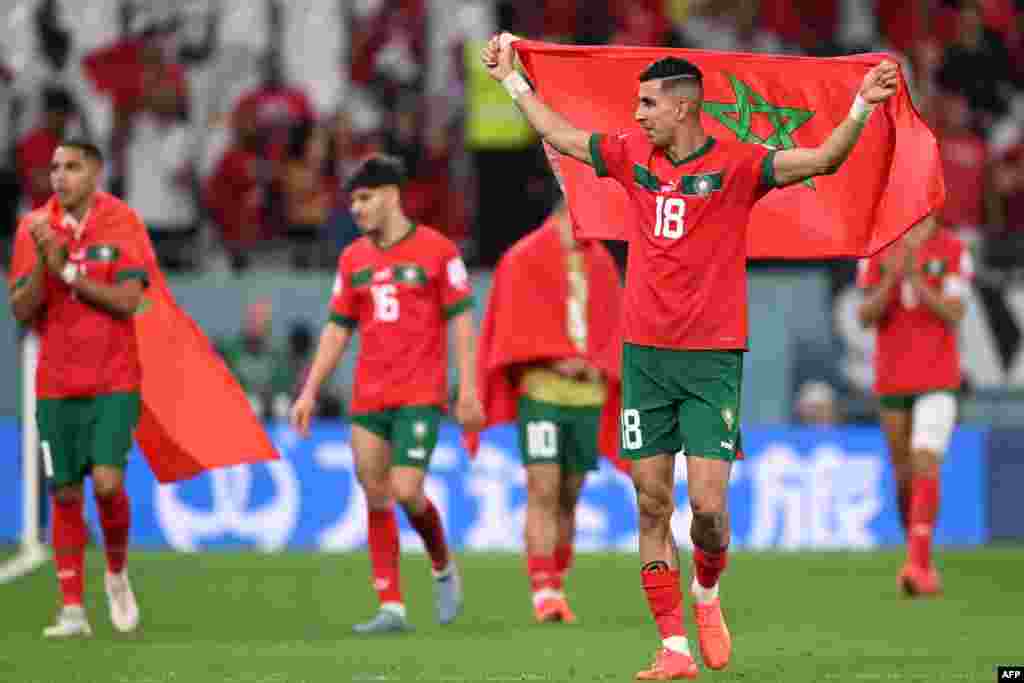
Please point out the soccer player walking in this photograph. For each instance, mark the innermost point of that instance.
(78, 280)
(399, 284)
(552, 313)
(685, 320)
(915, 298)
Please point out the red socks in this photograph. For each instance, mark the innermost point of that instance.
(709, 566)
(69, 538)
(924, 508)
(428, 526)
(903, 492)
(115, 518)
(383, 542)
(665, 599)
(563, 559)
(543, 573)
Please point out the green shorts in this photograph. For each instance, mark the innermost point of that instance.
(563, 435)
(905, 402)
(75, 434)
(681, 400)
(411, 431)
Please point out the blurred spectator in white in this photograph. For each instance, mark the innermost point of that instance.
(306, 192)
(35, 149)
(730, 26)
(236, 193)
(124, 72)
(159, 178)
(816, 404)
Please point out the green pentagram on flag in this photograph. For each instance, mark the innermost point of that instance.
(738, 117)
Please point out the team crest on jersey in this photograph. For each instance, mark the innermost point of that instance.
(407, 274)
(419, 430)
(935, 266)
(728, 418)
(700, 185)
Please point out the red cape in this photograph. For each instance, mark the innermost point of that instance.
(526, 322)
(195, 416)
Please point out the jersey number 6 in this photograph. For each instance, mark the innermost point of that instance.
(385, 303)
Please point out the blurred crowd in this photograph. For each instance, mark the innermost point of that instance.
(230, 125)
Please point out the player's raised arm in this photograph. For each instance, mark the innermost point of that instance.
(499, 60)
(795, 165)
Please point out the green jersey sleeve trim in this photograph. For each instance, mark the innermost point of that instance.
(20, 282)
(133, 274)
(344, 321)
(595, 156)
(458, 307)
(768, 170)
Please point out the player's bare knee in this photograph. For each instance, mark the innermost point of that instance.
(105, 486)
(542, 489)
(654, 508)
(924, 463)
(709, 531)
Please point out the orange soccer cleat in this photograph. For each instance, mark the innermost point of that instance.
(670, 665)
(713, 634)
(920, 581)
(553, 610)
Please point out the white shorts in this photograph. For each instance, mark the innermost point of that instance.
(933, 419)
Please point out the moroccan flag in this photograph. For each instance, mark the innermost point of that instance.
(527, 321)
(891, 180)
(195, 416)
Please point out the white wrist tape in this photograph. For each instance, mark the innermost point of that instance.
(861, 110)
(69, 273)
(516, 85)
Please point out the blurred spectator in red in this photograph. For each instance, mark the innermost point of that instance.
(809, 24)
(236, 192)
(388, 45)
(160, 176)
(306, 192)
(640, 22)
(964, 162)
(276, 106)
(1008, 186)
(35, 150)
(979, 64)
(425, 193)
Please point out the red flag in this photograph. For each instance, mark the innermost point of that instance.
(527, 322)
(195, 416)
(892, 179)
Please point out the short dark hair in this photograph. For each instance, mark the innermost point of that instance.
(377, 171)
(672, 67)
(90, 150)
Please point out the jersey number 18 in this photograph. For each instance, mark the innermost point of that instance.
(668, 220)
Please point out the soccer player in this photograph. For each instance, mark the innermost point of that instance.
(552, 381)
(915, 298)
(77, 281)
(400, 283)
(685, 320)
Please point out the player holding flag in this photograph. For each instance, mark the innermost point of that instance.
(685, 324)
(400, 284)
(915, 298)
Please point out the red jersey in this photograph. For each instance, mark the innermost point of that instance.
(401, 299)
(686, 281)
(915, 350)
(85, 351)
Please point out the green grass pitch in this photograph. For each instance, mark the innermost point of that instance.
(252, 618)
